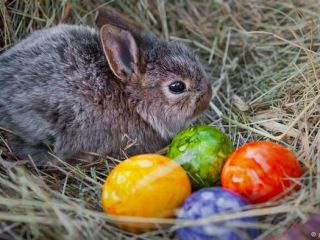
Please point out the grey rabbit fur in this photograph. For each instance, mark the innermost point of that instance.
(74, 89)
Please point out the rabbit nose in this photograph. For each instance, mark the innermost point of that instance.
(209, 91)
(208, 94)
(203, 100)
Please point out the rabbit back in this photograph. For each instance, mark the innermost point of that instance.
(54, 89)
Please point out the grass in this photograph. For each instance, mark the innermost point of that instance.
(263, 60)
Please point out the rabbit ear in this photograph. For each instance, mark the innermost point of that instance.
(121, 51)
(108, 15)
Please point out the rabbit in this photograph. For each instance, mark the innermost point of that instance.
(116, 91)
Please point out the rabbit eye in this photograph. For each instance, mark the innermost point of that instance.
(177, 87)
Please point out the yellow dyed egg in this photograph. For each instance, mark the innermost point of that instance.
(147, 185)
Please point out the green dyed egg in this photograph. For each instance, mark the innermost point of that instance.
(201, 151)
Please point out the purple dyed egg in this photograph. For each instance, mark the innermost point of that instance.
(208, 202)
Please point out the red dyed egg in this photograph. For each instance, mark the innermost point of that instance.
(259, 171)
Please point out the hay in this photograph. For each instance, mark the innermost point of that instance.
(263, 60)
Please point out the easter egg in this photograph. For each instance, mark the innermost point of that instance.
(201, 151)
(147, 185)
(260, 170)
(303, 231)
(207, 203)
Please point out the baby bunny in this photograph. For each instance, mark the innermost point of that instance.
(117, 92)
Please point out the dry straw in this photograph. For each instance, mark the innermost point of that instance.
(263, 60)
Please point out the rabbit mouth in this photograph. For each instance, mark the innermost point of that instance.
(191, 120)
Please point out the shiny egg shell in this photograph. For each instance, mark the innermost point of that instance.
(207, 203)
(259, 171)
(201, 151)
(146, 185)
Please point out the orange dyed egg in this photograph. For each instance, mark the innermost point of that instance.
(260, 170)
(147, 185)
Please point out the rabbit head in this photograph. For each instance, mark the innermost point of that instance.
(163, 81)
